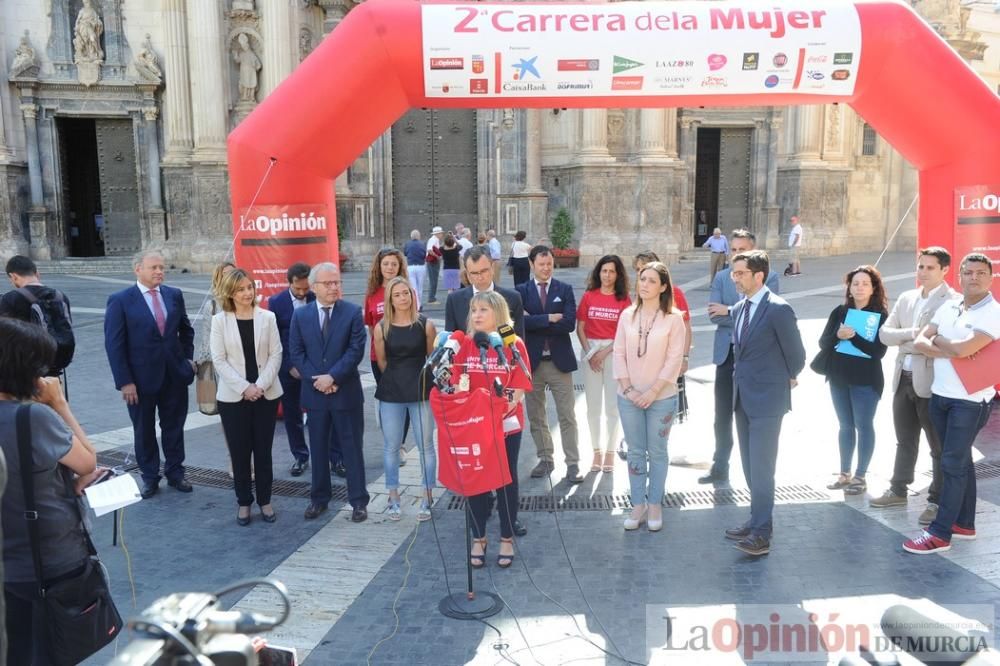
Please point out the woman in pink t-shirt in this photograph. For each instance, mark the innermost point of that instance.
(596, 322)
(649, 348)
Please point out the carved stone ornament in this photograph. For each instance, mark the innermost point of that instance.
(243, 5)
(87, 52)
(305, 42)
(146, 63)
(249, 64)
(25, 61)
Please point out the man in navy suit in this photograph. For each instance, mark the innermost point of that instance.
(327, 341)
(720, 302)
(456, 309)
(283, 305)
(550, 318)
(767, 358)
(150, 345)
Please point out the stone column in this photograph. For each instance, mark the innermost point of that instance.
(652, 135)
(670, 132)
(280, 48)
(177, 96)
(688, 154)
(594, 136)
(208, 80)
(30, 112)
(533, 151)
(152, 157)
(807, 132)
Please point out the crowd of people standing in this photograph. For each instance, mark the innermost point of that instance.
(303, 348)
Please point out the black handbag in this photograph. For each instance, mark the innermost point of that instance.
(80, 616)
(821, 364)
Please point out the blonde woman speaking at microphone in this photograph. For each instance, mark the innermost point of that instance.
(246, 351)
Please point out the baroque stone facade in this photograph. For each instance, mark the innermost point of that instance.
(147, 91)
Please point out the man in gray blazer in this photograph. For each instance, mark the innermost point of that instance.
(767, 358)
(720, 302)
(912, 378)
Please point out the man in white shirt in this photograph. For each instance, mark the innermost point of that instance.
(495, 253)
(794, 244)
(959, 329)
(434, 267)
(465, 242)
(912, 379)
(719, 246)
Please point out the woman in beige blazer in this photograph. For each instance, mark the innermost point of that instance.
(246, 351)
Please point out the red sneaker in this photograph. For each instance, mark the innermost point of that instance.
(963, 533)
(925, 544)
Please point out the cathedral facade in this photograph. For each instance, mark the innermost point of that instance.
(114, 116)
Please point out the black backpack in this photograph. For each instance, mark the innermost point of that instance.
(50, 311)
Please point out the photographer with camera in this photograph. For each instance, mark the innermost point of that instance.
(63, 463)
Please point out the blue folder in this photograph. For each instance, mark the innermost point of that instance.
(865, 323)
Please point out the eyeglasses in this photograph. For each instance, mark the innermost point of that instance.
(329, 284)
(976, 274)
(739, 274)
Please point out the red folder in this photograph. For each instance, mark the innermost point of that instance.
(981, 370)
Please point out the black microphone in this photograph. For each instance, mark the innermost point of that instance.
(498, 387)
(928, 639)
(482, 341)
(497, 343)
(509, 338)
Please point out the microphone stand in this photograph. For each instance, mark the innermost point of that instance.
(468, 605)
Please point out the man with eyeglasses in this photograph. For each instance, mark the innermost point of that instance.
(479, 269)
(767, 358)
(959, 329)
(327, 340)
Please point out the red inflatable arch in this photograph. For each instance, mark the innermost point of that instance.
(907, 83)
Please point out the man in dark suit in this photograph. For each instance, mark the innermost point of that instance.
(723, 297)
(768, 356)
(479, 269)
(283, 305)
(327, 341)
(150, 346)
(456, 309)
(550, 318)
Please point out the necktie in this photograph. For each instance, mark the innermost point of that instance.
(158, 312)
(543, 293)
(745, 324)
(326, 321)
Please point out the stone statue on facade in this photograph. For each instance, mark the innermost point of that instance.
(87, 52)
(25, 61)
(305, 43)
(146, 63)
(249, 66)
(87, 34)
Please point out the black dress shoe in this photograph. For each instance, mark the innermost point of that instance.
(519, 529)
(754, 545)
(712, 477)
(149, 488)
(181, 484)
(268, 517)
(298, 467)
(359, 515)
(738, 533)
(573, 474)
(243, 521)
(314, 511)
(340, 470)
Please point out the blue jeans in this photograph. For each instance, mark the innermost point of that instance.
(855, 406)
(647, 431)
(957, 423)
(394, 416)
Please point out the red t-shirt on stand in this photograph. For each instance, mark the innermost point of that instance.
(467, 361)
(600, 314)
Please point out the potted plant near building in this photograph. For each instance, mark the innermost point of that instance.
(562, 235)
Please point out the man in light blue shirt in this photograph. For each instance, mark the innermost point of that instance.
(495, 253)
(719, 246)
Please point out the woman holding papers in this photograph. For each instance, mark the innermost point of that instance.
(855, 371)
(63, 463)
